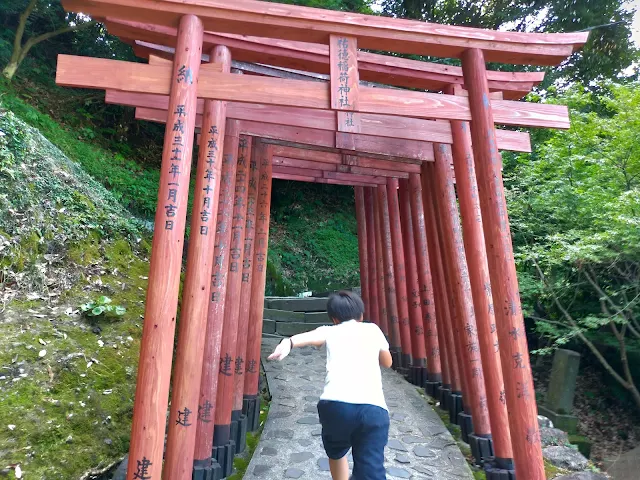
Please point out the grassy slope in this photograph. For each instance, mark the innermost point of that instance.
(66, 383)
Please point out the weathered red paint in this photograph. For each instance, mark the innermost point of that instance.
(382, 297)
(466, 332)
(247, 276)
(252, 366)
(229, 361)
(414, 301)
(389, 277)
(476, 254)
(156, 351)
(361, 219)
(374, 310)
(217, 300)
(434, 353)
(197, 286)
(450, 370)
(514, 352)
(399, 270)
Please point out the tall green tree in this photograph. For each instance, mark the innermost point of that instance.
(575, 213)
(607, 55)
(45, 20)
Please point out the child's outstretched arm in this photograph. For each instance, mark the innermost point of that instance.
(385, 359)
(315, 337)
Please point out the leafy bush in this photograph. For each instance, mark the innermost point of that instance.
(101, 306)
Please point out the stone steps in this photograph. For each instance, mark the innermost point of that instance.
(291, 315)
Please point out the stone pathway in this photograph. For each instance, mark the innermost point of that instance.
(420, 447)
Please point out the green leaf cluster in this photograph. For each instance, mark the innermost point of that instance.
(102, 306)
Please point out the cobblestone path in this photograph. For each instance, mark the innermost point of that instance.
(420, 447)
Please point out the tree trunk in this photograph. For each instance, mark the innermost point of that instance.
(10, 70)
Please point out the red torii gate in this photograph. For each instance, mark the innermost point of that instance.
(360, 140)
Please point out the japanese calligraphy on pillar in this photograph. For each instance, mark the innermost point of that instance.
(149, 424)
(210, 176)
(345, 81)
(258, 277)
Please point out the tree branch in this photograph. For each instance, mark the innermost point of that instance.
(46, 36)
(17, 41)
(608, 299)
(581, 335)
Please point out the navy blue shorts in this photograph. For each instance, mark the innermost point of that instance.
(363, 428)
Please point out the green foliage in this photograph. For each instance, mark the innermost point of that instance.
(49, 208)
(313, 242)
(575, 212)
(102, 306)
(608, 53)
(132, 184)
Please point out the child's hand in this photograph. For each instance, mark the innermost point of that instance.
(281, 351)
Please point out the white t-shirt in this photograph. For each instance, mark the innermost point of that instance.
(353, 363)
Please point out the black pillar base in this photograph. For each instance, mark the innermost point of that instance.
(431, 388)
(481, 447)
(239, 434)
(500, 469)
(206, 470)
(466, 426)
(251, 409)
(224, 448)
(443, 394)
(418, 376)
(396, 357)
(406, 360)
(455, 407)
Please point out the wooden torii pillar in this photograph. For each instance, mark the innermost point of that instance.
(245, 293)
(152, 389)
(372, 259)
(389, 276)
(361, 219)
(514, 351)
(399, 275)
(258, 280)
(476, 255)
(207, 457)
(475, 420)
(226, 419)
(448, 251)
(193, 319)
(429, 318)
(385, 323)
(418, 369)
(443, 310)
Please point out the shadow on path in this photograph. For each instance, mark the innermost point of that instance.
(420, 447)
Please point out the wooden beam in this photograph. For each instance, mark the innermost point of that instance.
(345, 177)
(372, 67)
(371, 124)
(318, 138)
(404, 148)
(328, 181)
(290, 22)
(87, 72)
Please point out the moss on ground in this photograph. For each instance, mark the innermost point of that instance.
(71, 411)
(66, 382)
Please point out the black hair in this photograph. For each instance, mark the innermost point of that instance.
(343, 306)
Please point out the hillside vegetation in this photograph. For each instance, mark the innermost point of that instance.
(66, 378)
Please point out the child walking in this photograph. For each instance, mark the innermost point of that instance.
(352, 409)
